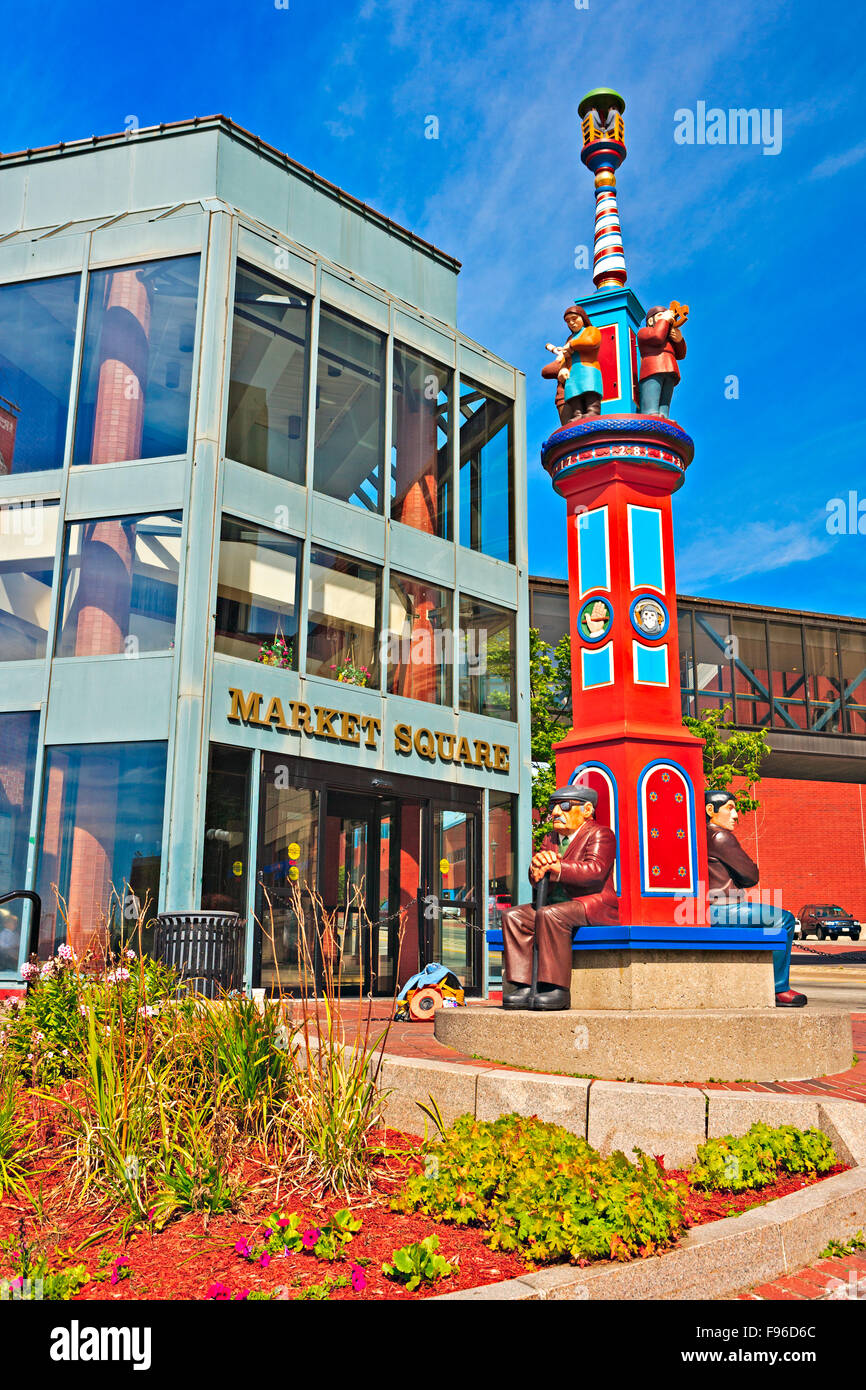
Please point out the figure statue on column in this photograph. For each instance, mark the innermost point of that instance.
(575, 367)
(580, 875)
(730, 872)
(661, 346)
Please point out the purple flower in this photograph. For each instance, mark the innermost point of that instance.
(359, 1278)
(242, 1248)
(309, 1238)
(218, 1291)
(269, 1231)
(264, 1260)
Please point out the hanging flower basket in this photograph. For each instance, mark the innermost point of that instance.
(277, 652)
(350, 674)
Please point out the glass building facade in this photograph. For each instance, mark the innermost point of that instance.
(262, 556)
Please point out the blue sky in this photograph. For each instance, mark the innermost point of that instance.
(766, 249)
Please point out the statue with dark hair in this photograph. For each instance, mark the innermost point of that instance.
(731, 871)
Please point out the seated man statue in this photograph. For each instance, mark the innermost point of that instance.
(582, 894)
(730, 871)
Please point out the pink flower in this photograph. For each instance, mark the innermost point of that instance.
(309, 1238)
(218, 1291)
(264, 1260)
(242, 1248)
(283, 1221)
(29, 971)
(240, 1297)
(359, 1278)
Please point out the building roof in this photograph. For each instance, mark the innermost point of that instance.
(236, 132)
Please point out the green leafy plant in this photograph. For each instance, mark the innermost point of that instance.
(760, 1157)
(16, 1136)
(730, 753)
(550, 716)
(545, 1193)
(321, 1292)
(839, 1249)
(31, 1277)
(417, 1264)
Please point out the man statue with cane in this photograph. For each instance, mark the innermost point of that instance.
(574, 888)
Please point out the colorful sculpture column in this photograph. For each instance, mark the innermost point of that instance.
(617, 473)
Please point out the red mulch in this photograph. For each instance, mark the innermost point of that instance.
(189, 1255)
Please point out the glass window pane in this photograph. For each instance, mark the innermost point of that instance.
(268, 386)
(853, 653)
(420, 435)
(486, 472)
(822, 667)
(712, 652)
(28, 536)
(350, 411)
(753, 714)
(454, 925)
(500, 851)
(486, 670)
(549, 614)
(37, 338)
(687, 652)
(100, 840)
(290, 817)
(225, 867)
(257, 594)
(136, 373)
(788, 677)
(420, 640)
(749, 652)
(120, 577)
(18, 734)
(343, 627)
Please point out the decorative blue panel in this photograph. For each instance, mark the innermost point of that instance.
(646, 563)
(650, 664)
(593, 551)
(596, 667)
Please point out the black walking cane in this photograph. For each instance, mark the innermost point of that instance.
(541, 888)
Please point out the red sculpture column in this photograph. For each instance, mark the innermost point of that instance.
(105, 584)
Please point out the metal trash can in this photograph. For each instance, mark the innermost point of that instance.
(206, 948)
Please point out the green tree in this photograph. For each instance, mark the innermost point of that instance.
(730, 753)
(550, 716)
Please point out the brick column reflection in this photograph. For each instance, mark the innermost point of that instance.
(105, 586)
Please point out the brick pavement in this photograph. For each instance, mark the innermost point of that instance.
(843, 1277)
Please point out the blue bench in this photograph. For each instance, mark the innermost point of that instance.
(623, 938)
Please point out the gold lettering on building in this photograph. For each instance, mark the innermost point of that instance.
(342, 726)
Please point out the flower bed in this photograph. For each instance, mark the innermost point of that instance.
(194, 1257)
(155, 1146)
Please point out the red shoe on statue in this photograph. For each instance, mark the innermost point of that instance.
(790, 1000)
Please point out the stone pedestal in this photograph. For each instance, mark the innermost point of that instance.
(672, 980)
(745, 1044)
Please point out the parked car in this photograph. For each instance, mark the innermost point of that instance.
(826, 919)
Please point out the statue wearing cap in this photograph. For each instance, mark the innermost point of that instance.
(581, 893)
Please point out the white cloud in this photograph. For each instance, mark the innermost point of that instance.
(755, 547)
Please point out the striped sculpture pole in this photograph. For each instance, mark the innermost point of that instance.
(601, 114)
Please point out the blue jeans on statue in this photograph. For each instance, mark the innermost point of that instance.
(656, 393)
(760, 915)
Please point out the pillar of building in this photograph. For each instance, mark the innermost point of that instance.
(105, 587)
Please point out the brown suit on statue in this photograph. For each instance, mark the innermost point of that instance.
(587, 898)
